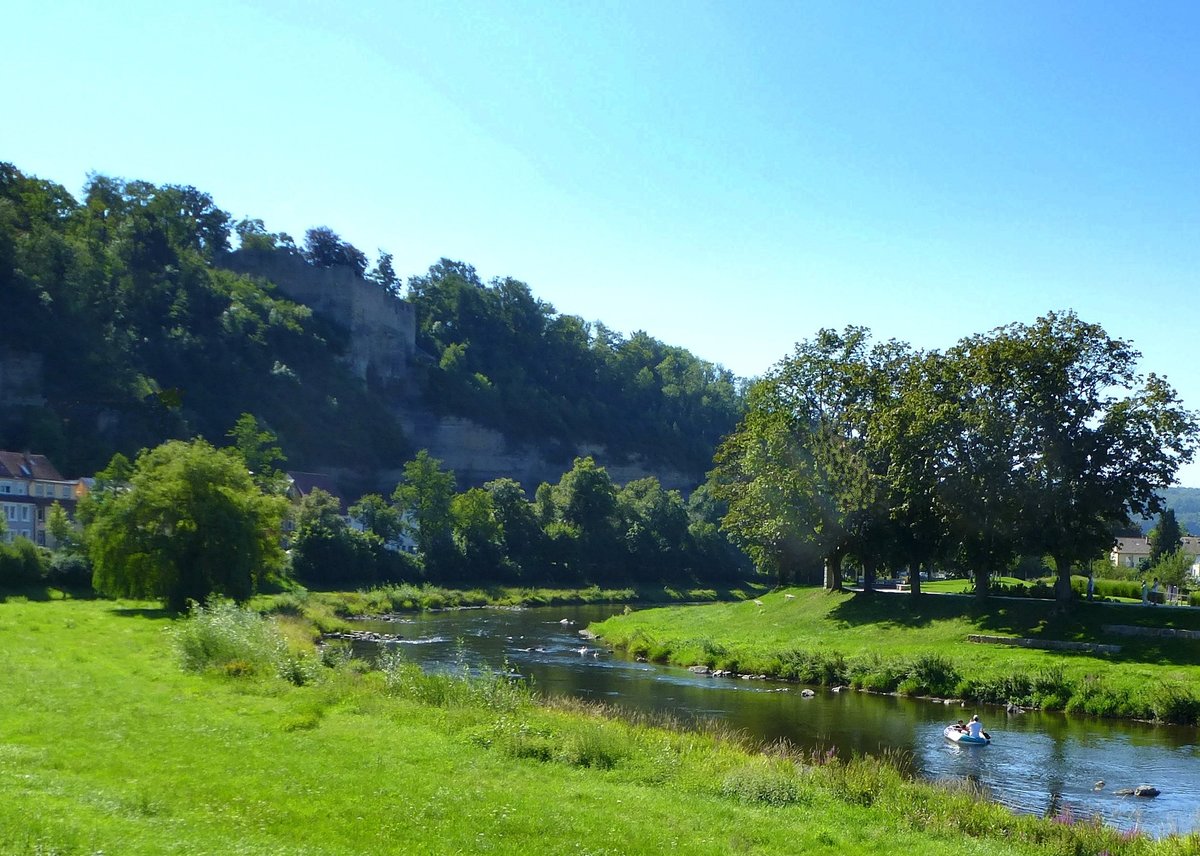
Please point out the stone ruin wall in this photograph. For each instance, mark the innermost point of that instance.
(383, 328)
(383, 344)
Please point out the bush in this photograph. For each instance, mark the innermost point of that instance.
(1173, 703)
(1092, 696)
(22, 563)
(223, 636)
(70, 571)
(763, 781)
(930, 674)
(876, 674)
(487, 689)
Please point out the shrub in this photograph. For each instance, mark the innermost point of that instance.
(1173, 703)
(224, 636)
(875, 674)
(493, 690)
(1094, 697)
(69, 570)
(826, 668)
(930, 674)
(22, 563)
(770, 782)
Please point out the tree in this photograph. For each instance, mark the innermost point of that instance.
(58, 524)
(800, 473)
(424, 498)
(323, 247)
(523, 535)
(384, 274)
(189, 522)
(1166, 537)
(477, 532)
(324, 547)
(378, 517)
(1083, 441)
(259, 447)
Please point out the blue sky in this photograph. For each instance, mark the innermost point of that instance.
(730, 177)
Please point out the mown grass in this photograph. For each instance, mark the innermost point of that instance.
(107, 744)
(891, 643)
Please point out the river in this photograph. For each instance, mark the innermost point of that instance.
(1041, 763)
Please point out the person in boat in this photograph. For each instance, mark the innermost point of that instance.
(975, 728)
(959, 726)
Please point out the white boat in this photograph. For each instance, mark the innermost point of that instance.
(954, 734)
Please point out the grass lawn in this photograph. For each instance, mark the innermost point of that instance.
(888, 642)
(108, 746)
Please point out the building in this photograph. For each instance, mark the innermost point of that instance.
(1129, 552)
(29, 486)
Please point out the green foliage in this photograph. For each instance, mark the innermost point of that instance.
(581, 531)
(22, 563)
(69, 570)
(1173, 703)
(140, 330)
(1173, 568)
(325, 549)
(765, 781)
(508, 360)
(259, 447)
(467, 688)
(222, 636)
(189, 523)
(930, 674)
(1166, 537)
(896, 458)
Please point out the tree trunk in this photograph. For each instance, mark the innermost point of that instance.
(914, 579)
(1062, 582)
(869, 575)
(981, 583)
(833, 571)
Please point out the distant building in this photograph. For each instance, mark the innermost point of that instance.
(29, 485)
(301, 485)
(1129, 552)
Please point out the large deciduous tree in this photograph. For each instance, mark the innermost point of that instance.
(1089, 441)
(424, 498)
(801, 473)
(186, 523)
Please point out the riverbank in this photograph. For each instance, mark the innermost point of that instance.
(107, 744)
(328, 610)
(889, 643)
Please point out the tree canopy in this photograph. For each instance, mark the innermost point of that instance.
(185, 521)
(1032, 439)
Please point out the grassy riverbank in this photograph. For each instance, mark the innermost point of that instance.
(888, 643)
(108, 745)
(328, 609)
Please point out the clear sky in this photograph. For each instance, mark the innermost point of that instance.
(729, 177)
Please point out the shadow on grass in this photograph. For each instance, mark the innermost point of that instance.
(40, 593)
(1033, 619)
(144, 612)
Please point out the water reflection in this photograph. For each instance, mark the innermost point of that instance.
(1038, 763)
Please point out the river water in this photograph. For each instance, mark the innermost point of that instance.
(1041, 763)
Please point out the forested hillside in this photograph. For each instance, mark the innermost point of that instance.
(142, 338)
(1185, 502)
(508, 360)
(124, 329)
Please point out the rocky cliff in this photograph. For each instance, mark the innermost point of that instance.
(383, 351)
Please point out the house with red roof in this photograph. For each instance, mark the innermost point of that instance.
(29, 486)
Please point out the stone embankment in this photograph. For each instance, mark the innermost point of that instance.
(1045, 644)
(1131, 630)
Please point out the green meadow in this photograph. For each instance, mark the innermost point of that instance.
(888, 642)
(108, 744)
